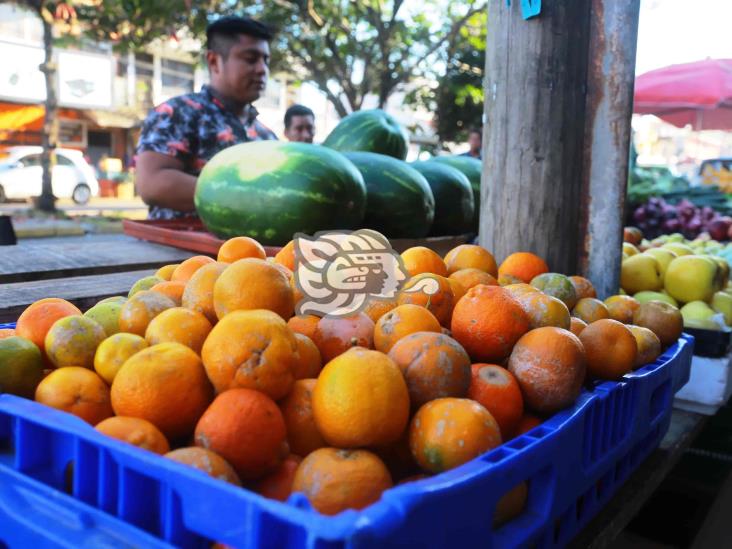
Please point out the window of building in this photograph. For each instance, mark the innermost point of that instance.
(19, 23)
(176, 77)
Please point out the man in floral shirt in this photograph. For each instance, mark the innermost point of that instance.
(182, 134)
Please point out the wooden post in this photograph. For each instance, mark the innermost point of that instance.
(536, 133)
(609, 107)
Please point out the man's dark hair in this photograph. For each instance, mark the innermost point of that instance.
(476, 130)
(297, 110)
(222, 33)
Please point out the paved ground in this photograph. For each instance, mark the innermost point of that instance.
(97, 206)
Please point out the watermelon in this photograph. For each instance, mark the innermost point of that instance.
(269, 190)
(369, 131)
(399, 201)
(471, 167)
(454, 204)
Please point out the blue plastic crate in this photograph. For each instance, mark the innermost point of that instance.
(573, 462)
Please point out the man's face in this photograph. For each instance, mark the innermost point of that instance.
(302, 128)
(242, 74)
(474, 141)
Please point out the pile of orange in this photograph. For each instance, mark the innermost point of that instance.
(207, 364)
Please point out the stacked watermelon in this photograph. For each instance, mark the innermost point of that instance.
(270, 190)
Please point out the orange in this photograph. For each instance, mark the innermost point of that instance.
(402, 321)
(140, 309)
(251, 349)
(334, 335)
(527, 423)
(439, 303)
(198, 293)
(487, 322)
(507, 280)
(610, 347)
(577, 325)
(418, 260)
(35, 321)
(135, 431)
(114, 351)
(458, 289)
(590, 310)
(308, 362)
(207, 461)
(7, 332)
(498, 391)
(166, 272)
(582, 287)
(472, 277)
(297, 410)
(376, 308)
(519, 289)
(470, 256)
(21, 366)
(621, 308)
(511, 504)
(523, 265)
(286, 256)
(448, 432)
(185, 270)
(556, 285)
(334, 480)
(78, 391)
(250, 284)
(549, 364)
(303, 324)
(649, 346)
(544, 310)
(361, 399)
(247, 429)
(662, 319)
(73, 340)
(240, 247)
(179, 325)
(434, 366)
(164, 384)
(173, 289)
(278, 484)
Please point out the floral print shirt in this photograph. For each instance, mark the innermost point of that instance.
(193, 128)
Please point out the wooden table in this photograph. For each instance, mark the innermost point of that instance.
(82, 269)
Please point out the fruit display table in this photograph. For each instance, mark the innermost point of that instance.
(82, 270)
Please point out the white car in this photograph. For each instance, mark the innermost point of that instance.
(20, 175)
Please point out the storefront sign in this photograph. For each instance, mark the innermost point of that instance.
(20, 77)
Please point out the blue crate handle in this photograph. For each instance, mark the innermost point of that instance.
(529, 8)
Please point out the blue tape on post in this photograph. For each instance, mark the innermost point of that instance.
(529, 8)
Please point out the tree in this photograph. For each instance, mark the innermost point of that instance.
(353, 49)
(128, 24)
(456, 97)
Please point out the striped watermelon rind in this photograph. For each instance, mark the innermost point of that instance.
(369, 131)
(399, 202)
(270, 190)
(472, 168)
(454, 203)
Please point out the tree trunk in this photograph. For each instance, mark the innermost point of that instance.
(47, 201)
(535, 81)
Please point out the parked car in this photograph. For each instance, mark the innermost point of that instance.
(21, 173)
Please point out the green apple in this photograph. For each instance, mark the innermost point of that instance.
(629, 249)
(707, 324)
(645, 297)
(692, 278)
(722, 303)
(678, 248)
(144, 284)
(676, 237)
(664, 256)
(640, 272)
(107, 315)
(697, 310)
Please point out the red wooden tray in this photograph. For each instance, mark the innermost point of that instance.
(190, 234)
